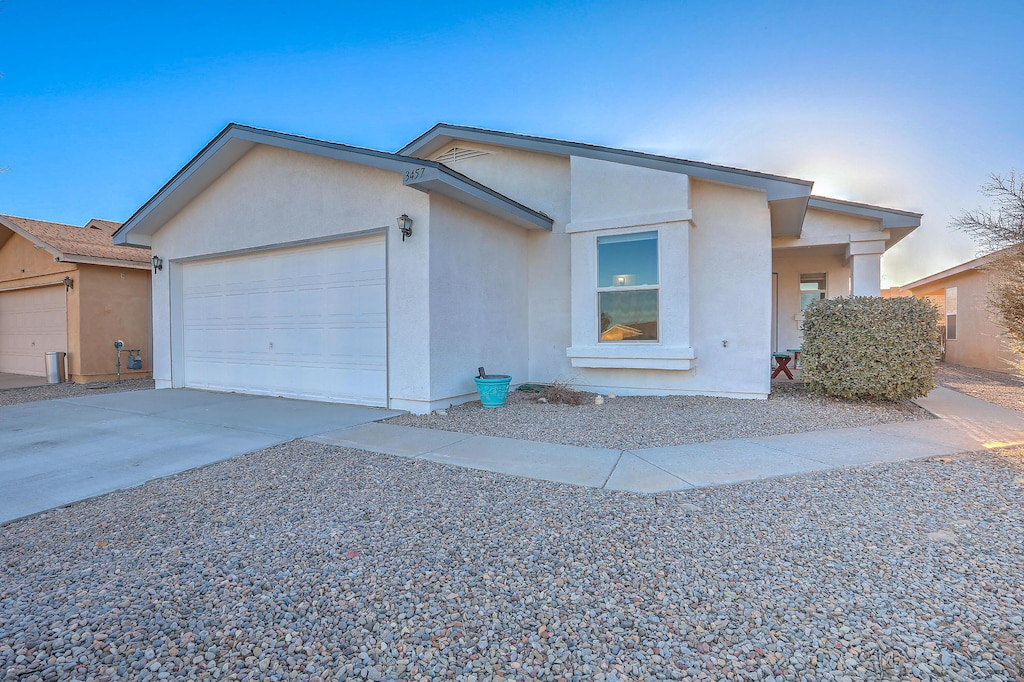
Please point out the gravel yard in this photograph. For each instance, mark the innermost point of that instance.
(630, 422)
(1006, 390)
(306, 561)
(15, 396)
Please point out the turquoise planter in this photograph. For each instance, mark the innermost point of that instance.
(493, 389)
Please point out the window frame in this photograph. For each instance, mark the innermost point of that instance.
(821, 291)
(953, 314)
(598, 290)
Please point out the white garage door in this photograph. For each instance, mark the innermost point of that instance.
(306, 323)
(32, 322)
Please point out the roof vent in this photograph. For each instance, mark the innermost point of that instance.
(455, 154)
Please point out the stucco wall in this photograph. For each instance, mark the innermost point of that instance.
(479, 300)
(978, 340)
(789, 265)
(836, 227)
(22, 264)
(101, 307)
(273, 196)
(730, 256)
(113, 303)
(732, 227)
(541, 182)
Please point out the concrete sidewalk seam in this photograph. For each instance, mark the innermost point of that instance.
(618, 460)
(660, 468)
(423, 455)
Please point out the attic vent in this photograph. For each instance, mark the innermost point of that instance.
(455, 154)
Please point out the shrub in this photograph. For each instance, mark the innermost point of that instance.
(862, 347)
(563, 393)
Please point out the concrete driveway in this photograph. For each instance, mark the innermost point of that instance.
(55, 452)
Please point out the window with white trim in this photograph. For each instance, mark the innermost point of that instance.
(951, 313)
(628, 287)
(812, 288)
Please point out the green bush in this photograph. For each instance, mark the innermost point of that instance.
(862, 347)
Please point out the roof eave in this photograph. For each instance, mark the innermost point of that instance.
(236, 140)
(974, 264)
(898, 223)
(36, 241)
(96, 260)
(787, 197)
(447, 182)
(444, 133)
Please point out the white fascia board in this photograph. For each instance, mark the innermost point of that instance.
(888, 217)
(236, 140)
(444, 181)
(776, 186)
(791, 193)
(897, 223)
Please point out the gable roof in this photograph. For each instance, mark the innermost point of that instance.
(975, 264)
(787, 197)
(235, 140)
(70, 244)
(898, 223)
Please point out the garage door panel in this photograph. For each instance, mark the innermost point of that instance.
(32, 323)
(304, 323)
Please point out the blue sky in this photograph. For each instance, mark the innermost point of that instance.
(905, 104)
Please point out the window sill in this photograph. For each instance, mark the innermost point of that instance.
(632, 356)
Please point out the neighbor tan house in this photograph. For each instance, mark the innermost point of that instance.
(70, 289)
(973, 337)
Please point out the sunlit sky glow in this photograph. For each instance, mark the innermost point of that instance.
(908, 104)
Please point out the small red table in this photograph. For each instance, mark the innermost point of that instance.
(781, 360)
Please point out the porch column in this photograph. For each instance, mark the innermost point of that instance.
(865, 255)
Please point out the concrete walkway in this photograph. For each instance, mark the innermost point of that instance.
(55, 452)
(964, 424)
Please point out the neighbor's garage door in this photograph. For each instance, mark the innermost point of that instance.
(305, 322)
(32, 322)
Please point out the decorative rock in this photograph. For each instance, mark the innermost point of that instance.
(942, 536)
(305, 560)
(640, 422)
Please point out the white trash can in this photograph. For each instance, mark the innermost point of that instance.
(55, 367)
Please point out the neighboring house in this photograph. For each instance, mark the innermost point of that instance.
(285, 273)
(973, 337)
(70, 289)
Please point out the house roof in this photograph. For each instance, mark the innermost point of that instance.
(235, 140)
(975, 264)
(898, 223)
(787, 197)
(71, 244)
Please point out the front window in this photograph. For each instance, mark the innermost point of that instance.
(627, 287)
(812, 288)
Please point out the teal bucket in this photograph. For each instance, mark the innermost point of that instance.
(493, 389)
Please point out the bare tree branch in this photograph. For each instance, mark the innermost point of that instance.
(1002, 226)
(1001, 231)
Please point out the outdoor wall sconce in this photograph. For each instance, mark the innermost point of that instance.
(69, 284)
(405, 225)
(158, 263)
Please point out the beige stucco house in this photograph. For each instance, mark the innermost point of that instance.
(70, 289)
(972, 335)
(285, 271)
